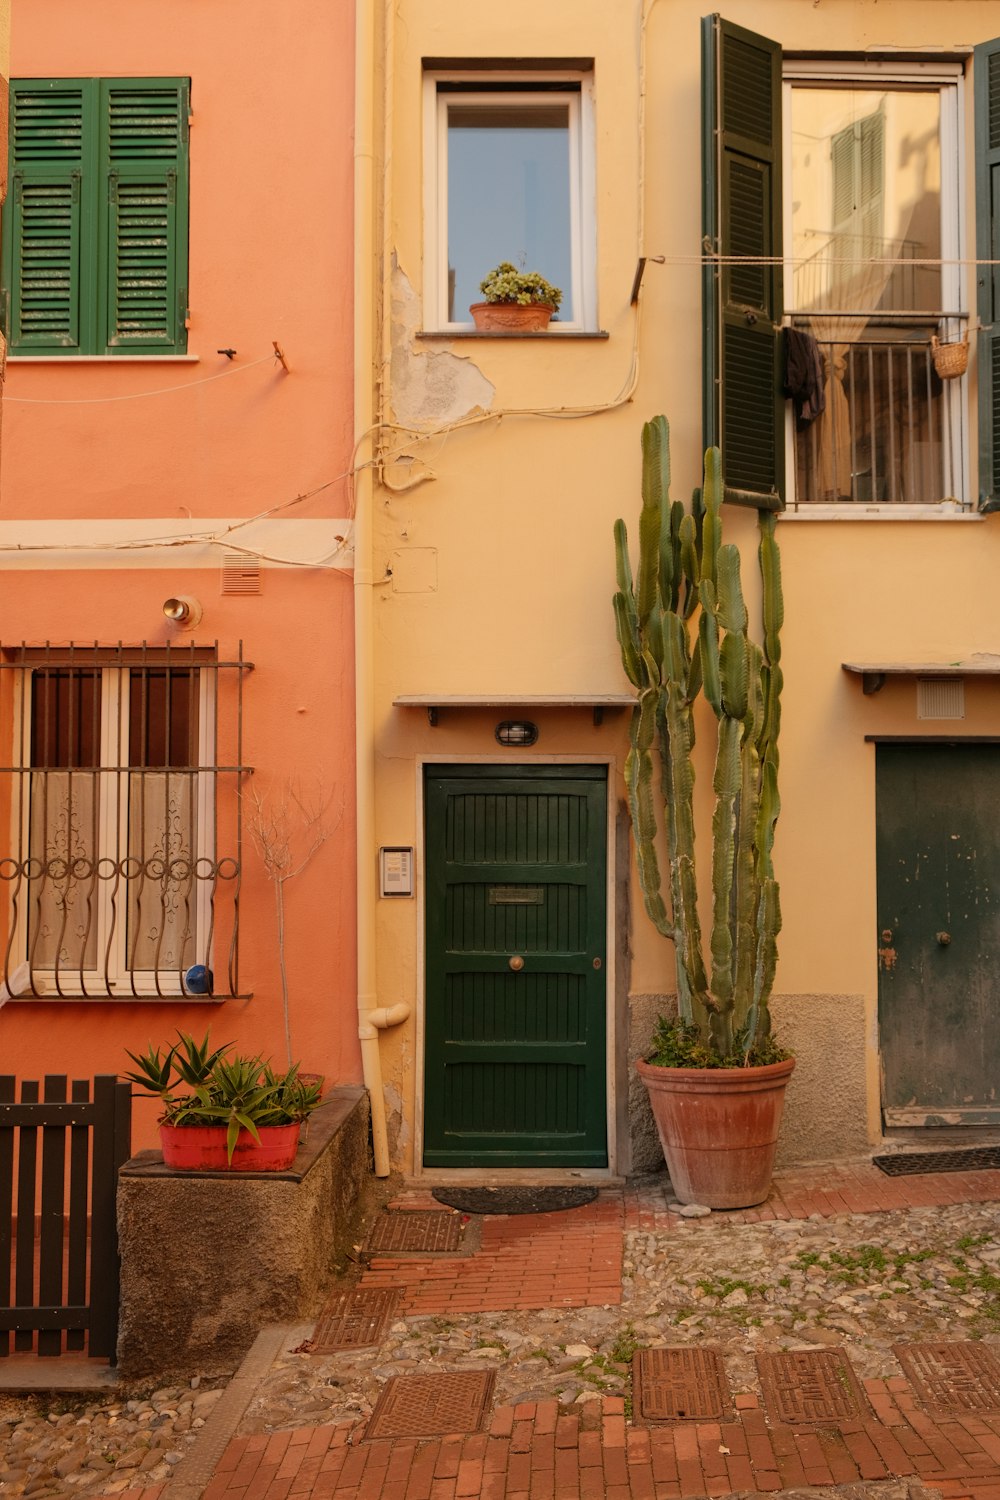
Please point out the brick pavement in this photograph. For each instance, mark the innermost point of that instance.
(534, 1451)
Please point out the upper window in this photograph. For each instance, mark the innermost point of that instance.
(121, 867)
(510, 175)
(95, 228)
(873, 234)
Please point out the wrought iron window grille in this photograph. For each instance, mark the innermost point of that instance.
(121, 815)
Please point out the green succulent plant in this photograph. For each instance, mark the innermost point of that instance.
(507, 284)
(683, 631)
(237, 1091)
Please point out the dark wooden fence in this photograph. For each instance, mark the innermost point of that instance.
(58, 1236)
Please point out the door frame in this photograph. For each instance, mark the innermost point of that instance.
(509, 1174)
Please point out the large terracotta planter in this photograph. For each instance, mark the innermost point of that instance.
(511, 317)
(202, 1148)
(719, 1129)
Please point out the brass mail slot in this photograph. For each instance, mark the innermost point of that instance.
(517, 895)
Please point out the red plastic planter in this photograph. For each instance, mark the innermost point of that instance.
(202, 1148)
(719, 1129)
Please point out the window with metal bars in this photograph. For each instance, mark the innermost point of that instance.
(124, 856)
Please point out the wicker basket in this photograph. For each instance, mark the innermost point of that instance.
(950, 360)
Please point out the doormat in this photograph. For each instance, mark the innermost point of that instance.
(515, 1200)
(950, 1378)
(811, 1385)
(974, 1159)
(423, 1406)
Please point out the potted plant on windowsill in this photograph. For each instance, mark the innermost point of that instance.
(516, 301)
(235, 1114)
(716, 1077)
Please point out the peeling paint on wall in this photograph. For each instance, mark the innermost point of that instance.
(433, 385)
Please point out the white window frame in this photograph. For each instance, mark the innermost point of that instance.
(113, 835)
(582, 184)
(949, 80)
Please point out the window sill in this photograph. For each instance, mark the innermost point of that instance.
(179, 997)
(103, 359)
(879, 513)
(552, 334)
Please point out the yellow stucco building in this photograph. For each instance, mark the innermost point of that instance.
(697, 188)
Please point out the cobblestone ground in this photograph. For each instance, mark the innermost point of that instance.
(863, 1281)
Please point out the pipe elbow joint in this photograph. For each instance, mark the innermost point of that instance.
(389, 1015)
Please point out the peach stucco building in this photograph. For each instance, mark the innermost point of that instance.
(178, 427)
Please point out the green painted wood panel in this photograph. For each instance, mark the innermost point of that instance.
(744, 409)
(96, 238)
(938, 939)
(516, 1058)
(986, 93)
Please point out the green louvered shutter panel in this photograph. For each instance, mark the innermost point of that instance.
(144, 146)
(986, 81)
(741, 143)
(48, 231)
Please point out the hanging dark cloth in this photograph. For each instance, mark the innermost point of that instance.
(804, 375)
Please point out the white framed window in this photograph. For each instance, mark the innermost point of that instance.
(113, 875)
(874, 240)
(509, 173)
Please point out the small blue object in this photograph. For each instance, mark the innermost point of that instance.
(198, 980)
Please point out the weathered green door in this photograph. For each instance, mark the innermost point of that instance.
(515, 966)
(938, 852)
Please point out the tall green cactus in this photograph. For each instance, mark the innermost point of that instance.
(683, 631)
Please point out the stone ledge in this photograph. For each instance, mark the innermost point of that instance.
(209, 1258)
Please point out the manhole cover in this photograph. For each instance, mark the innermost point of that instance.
(515, 1200)
(432, 1405)
(680, 1385)
(433, 1233)
(811, 1385)
(952, 1377)
(906, 1164)
(351, 1320)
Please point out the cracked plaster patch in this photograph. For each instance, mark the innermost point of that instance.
(432, 386)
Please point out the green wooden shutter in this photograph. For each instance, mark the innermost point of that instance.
(741, 143)
(48, 229)
(144, 158)
(986, 79)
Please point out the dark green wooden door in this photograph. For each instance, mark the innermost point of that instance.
(938, 810)
(515, 966)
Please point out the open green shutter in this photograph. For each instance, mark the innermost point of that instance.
(48, 226)
(144, 130)
(986, 79)
(741, 146)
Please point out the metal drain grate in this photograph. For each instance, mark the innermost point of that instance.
(680, 1385)
(811, 1385)
(433, 1233)
(432, 1405)
(949, 1378)
(908, 1163)
(354, 1319)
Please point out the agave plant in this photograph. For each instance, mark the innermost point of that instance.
(239, 1092)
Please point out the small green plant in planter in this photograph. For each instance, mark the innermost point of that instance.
(716, 1076)
(515, 300)
(231, 1097)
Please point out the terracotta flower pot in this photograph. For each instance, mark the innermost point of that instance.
(511, 317)
(719, 1129)
(202, 1148)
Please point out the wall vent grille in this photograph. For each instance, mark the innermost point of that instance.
(940, 698)
(240, 574)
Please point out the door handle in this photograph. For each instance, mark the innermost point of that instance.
(516, 963)
(944, 938)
